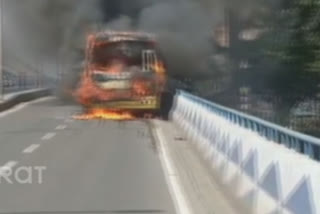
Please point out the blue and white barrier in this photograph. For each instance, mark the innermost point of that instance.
(262, 175)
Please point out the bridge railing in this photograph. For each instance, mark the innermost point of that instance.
(299, 142)
(14, 80)
(259, 175)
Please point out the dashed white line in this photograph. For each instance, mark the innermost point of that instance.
(175, 188)
(48, 136)
(61, 127)
(69, 120)
(8, 166)
(31, 148)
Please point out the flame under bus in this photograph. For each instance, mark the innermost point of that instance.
(124, 71)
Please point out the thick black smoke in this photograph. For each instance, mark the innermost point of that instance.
(184, 29)
(46, 32)
(39, 33)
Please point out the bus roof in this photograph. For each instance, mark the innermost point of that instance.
(116, 36)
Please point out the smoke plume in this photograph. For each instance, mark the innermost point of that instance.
(36, 33)
(184, 29)
(46, 31)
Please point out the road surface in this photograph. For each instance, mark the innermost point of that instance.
(91, 166)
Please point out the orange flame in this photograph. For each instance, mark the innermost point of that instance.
(88, 90)
(104, 114)
(159, 68)
(141, 87)
(115, 68)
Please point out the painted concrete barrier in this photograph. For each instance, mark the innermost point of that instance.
(23, 96)
(261, 175)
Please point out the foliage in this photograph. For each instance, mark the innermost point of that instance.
(293, 43)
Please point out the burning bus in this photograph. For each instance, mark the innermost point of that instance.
(124, 71)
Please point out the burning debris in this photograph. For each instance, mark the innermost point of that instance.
(104, 114)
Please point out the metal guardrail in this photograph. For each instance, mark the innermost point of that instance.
(13, 99)
(299, 142)
(18, 81)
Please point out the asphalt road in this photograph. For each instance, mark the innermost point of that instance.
(91, 166)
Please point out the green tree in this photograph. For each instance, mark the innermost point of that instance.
(291, 46)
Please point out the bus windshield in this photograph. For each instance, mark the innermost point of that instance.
(128, 52)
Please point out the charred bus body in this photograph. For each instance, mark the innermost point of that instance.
(124, 71)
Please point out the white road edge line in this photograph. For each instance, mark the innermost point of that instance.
(8, 166)
(172, 179)
(31, 148)
(61, 127)
(48, 136)
(23, 105)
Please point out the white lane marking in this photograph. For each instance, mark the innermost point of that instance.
(48, 136)
(31, 148)
(61, 127)
(68, 121)
(23, 105)
(172, 180)
(8, 166)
